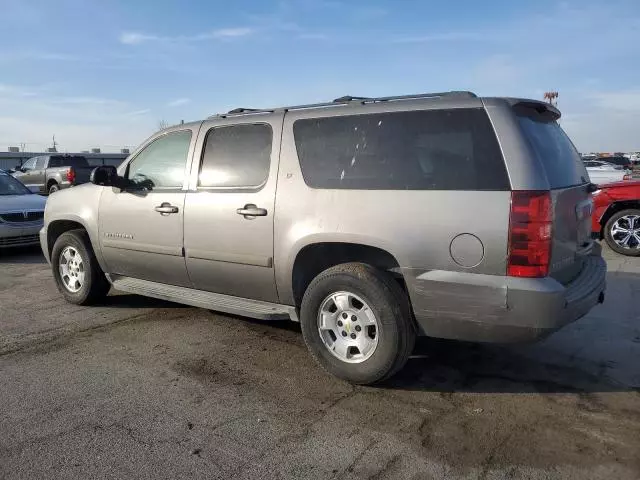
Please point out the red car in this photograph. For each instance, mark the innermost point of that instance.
(616, 216)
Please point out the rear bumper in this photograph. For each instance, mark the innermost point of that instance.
(488, 308)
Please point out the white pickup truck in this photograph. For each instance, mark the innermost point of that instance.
(602, 172)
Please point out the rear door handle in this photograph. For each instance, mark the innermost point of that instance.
(166, 208)
(250, 210)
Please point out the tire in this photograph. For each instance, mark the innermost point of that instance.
(394, 332)
(53, 188)
(634, 241)
(93, 286)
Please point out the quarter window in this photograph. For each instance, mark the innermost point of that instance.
(416, 150)
(162, 163)
(236, 156)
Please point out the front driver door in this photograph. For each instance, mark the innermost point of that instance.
(141, 228)
(25, 175)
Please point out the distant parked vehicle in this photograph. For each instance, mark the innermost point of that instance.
(616, 216)
(21, 213)
(620, 160)
(602, 172)
(47, 174)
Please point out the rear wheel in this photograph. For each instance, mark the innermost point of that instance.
(53, 188)
(622, 232)
(76, 271)
(356, 322)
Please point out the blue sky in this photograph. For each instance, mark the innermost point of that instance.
(105, 73)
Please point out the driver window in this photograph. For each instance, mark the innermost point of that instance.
(162, 163)
(29, 164)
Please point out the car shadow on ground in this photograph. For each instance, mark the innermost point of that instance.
(451, 366)
(22, 256)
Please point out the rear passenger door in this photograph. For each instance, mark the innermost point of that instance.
(229, 209)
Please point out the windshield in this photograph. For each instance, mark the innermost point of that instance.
(11, 186)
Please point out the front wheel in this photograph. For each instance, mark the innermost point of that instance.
(622, 232)
(76, 271)
(356, 322)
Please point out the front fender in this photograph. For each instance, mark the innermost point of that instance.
(79, 205)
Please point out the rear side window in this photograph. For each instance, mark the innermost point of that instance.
(560, 159)
(416, 150)
(236, 156)
(76, 161)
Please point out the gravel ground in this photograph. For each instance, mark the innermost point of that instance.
(139, 388)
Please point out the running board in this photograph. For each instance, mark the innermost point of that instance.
(208, 300)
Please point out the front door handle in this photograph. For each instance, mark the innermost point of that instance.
(250, 210)
(166, 208)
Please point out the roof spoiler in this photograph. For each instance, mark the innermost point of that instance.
(543, 109)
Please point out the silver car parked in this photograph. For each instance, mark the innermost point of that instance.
(369, 220)
(21, 213)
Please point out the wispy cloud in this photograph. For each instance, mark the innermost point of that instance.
(134, 38)
(31, 114)
(137, 38)
(137, 113)
(21, 55)
(313, 36)
(229, 33)
(624, 100)
(178, 102)
(452, 36)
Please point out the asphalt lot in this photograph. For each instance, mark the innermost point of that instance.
(139, 388)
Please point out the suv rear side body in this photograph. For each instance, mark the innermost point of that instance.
(370, 220)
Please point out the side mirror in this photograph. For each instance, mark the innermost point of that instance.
(18, 168)
(105, 175)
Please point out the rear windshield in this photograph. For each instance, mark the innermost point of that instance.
(75, 161)
(415, 150)
(560, 159)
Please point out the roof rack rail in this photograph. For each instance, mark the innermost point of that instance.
(242, 111)
(347, 99)
(235, 111)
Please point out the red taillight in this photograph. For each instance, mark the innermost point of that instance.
(530, 234)
(71, 175)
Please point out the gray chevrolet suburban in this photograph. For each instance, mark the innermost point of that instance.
(368, 220)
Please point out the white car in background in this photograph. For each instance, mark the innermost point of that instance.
(21, 213)
(602, 172)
